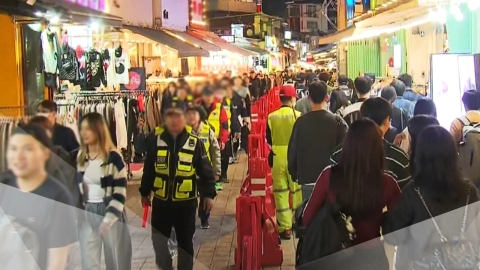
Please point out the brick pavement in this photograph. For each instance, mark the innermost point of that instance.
(215, 247)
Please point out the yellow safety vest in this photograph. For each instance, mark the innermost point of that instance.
(214, 119)
(183, 185)
(281, 124)
(227, 106)
(204, 136)
(188, 100)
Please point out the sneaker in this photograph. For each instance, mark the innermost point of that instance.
(231, 160)
(286, 235)
(204, 225)
(218, 186)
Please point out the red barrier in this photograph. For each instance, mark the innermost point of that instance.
(248, 254)
(257, 235)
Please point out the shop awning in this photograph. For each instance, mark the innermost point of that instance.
(195, 41)
(338, 36)
(220, 42)
(80, 14)
(252, 48)
(184, 49)
(322, 48)
(387, 22)
(391, 22)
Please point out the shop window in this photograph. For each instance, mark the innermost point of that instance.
(312, 25)
(311, 11)
(294, 11)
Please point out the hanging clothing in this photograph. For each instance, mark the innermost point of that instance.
(70, 67)
(121, 125)
(95, 75)
(51, 50)
(117, 72)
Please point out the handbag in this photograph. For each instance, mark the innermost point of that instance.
(451, 254)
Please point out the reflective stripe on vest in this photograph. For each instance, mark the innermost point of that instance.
(182, 186)
(281, 124)
(214, 119)
(204, 136)
(227, 106)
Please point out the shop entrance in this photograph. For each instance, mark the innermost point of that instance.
(33, 90)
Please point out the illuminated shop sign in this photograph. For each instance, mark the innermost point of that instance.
(350, 11)
(229, 38)
(99, 5)
(197, 12)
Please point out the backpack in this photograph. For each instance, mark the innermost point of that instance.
(456, 253)
(19, 247)
(327, 234)
(469, 150)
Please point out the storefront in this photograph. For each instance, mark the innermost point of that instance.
(463, 26)
(231, 57)
(34, 35)
(390, 43)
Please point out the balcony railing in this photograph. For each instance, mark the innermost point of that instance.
(230, 5)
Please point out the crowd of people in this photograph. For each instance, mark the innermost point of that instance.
(380, 156)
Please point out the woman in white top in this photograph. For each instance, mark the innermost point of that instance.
(103, 226)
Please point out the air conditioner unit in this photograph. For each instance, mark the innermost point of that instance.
(157, 23)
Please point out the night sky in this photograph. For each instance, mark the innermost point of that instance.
(279, 8)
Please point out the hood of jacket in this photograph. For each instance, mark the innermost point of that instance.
(242, 91)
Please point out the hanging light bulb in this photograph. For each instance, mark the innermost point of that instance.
(473, 5)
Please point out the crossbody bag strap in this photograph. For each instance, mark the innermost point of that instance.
(443, 239)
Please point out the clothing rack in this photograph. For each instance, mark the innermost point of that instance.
(101, 94)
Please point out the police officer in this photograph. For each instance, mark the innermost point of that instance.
(174, 159)
(279, 129)
(182, 100)
(196, 119)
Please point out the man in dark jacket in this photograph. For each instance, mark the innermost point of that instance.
(399, 116)
(174, 160)
(254, 86)
(61, 136)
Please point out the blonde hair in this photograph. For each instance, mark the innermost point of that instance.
(97, 124)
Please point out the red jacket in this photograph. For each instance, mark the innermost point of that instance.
(224, 134)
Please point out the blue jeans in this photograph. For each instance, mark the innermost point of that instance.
(116, 243)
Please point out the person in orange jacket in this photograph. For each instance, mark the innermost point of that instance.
(218, 120)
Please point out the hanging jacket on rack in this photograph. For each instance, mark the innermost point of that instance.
(69, 65)
(95, 75)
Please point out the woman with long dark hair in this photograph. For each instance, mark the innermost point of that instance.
(338, 101)
(103, 226)
(415, 126)
(362, 189)
(438, 187)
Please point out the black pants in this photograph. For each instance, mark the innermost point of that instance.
(244, 138)
(226, 154)
(180, 215)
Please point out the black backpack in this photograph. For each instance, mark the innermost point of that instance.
(326, 235)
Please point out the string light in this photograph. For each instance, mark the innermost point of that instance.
(473, 5)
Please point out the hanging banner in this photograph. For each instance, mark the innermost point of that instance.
(138, 80)
(197, 16)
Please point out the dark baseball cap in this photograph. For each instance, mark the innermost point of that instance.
(207, 91)
(174, 112)
(342, 80)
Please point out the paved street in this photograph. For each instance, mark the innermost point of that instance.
(214, 248)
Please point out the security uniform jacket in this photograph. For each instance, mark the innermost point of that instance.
(231, 109)
(200, 166)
